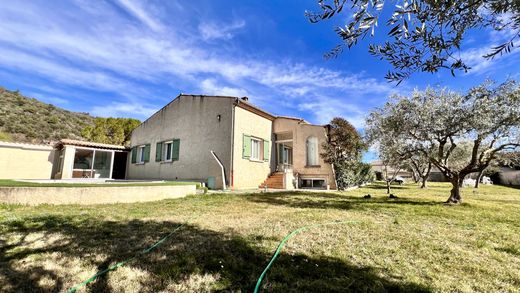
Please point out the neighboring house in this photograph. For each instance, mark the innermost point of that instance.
(228, 143)
(378, 167)
(508, 176)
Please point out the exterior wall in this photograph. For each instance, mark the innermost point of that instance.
(301, 131)
(24, 161)
(248, 173)
(91, 195)
(509, 176)
(193, 120)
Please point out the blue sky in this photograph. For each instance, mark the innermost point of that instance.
(128, 58)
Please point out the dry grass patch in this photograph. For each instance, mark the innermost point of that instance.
(414, 243)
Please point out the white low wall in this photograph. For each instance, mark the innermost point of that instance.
(91, 195)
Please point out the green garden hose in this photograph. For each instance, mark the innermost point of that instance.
(119, 264)
(282, 243)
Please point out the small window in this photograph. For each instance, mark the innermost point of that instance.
(255, 149)
(313, 183)
(167, 147)
(140, 154)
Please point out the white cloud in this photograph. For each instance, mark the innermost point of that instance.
(117, 109)
(325, 108)
(117, 56)
(210, 87)
(136, 9)
(214, 31)
(48, 99)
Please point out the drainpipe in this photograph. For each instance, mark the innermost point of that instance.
(221, 169)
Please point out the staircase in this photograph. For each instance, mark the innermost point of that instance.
(275, 181)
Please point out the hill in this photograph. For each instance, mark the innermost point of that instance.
(25, 119)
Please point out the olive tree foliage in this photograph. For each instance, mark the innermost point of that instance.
(343, 150)
(423, 35)
(391, 149)
(460, 133)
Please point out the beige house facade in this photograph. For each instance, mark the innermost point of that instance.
(228, 143)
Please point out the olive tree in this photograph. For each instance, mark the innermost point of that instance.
(421, 166)
(391, 149)
(460, 133)
(422, 35)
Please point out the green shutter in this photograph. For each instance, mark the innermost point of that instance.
(266, 150)
(147, 153)
(158, 151)
(246, 147)
(175, 149)
(134, 155)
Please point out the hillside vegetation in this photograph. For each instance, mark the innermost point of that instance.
(25, 119)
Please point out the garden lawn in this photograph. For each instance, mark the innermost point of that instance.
(414, 243)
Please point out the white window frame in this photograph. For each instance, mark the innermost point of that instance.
(312, 179)
(165, 151)
(255, 153)
(140, 154)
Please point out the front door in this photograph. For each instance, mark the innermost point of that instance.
(284, 158)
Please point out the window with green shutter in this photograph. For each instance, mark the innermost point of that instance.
(246, 147)
(147, 153)
(175, 149)
(266, 150)
(158, 152)
(134, 155)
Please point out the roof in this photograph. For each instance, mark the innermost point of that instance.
(90, 144)
(28, 146)
(254, 109)
(293, 118)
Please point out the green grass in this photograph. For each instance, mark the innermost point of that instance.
(414, 243)
(14, 183)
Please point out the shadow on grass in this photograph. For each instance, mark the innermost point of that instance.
(335, 201)
(235, 261)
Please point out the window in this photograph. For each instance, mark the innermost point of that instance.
(313, 183)
(255, 149)
(167, 151)
(140, 154)
(90, 163)
(312, 151)
(167, 146)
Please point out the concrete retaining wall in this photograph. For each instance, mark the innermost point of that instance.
(91, 195)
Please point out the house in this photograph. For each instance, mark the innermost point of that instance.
(227, 142)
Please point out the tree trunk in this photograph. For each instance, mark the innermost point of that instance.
(456, 183)
(479, 177)
(415, 176)
(425, 175)
(423, 183)
(387, 186)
